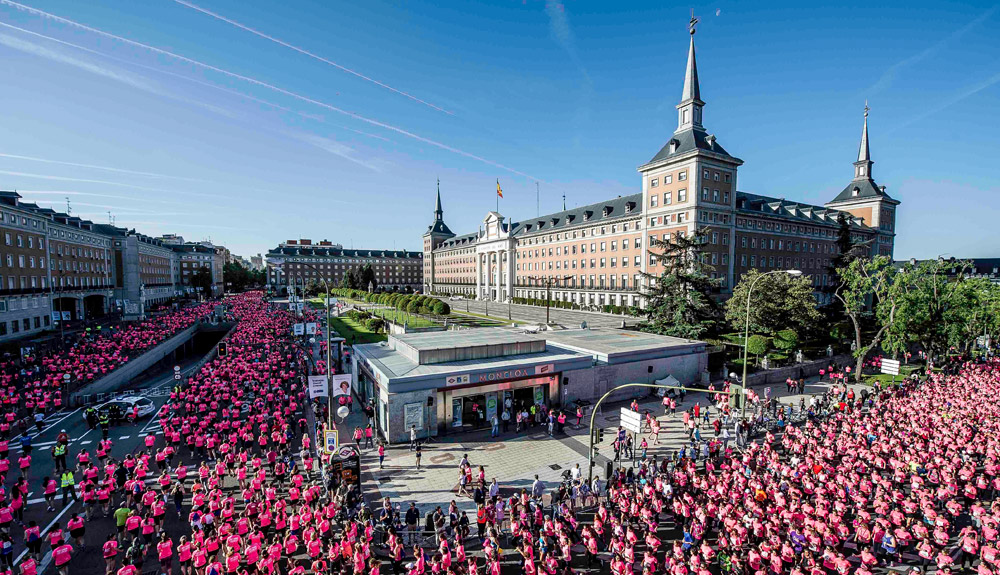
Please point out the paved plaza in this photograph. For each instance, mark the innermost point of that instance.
(515, 459)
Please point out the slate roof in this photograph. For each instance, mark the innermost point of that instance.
(327, 251)
(599, 212)
(689, 140)
(458, 242)
(755, 204)
(867, 188)
(438, 227)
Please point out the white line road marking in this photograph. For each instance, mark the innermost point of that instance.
(124, 437)
(60, 419)
(44, 532)
(88, 442)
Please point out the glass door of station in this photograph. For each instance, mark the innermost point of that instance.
(477, 410)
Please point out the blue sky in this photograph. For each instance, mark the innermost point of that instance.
(253, 122)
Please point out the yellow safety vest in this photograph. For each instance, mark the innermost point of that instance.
(68, 480)
(60, 450)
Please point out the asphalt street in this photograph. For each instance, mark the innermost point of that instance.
(536, 315)
(126, 438)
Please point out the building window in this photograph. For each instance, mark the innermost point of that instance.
(682, 195)
(654, 182)
(652, 200)
(682, 176)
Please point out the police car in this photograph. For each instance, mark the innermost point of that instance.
(124, 406)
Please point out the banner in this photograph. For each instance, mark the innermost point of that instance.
(318, 386)
(342, 384)
(66, 316)
(299, 329)
(311, 328)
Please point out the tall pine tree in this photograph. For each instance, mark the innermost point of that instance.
(680, 301)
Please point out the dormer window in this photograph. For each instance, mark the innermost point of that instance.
(855, 191)
(606, 211)
(586, 215)
(673, 146)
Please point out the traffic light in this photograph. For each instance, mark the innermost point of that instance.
(222, 349)
(600, 435)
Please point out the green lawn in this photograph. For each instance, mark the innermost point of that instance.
(479, 320)
(354, 332)
(400, 318)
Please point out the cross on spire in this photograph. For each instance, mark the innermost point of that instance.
(694, 22)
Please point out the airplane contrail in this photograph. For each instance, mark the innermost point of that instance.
(268, 86)
(104, 168)
(187, 79)
(305, 52)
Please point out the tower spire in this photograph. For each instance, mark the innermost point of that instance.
(438, 212)
(863, 167)
(863, 154)
(689, 109)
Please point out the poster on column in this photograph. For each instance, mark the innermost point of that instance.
(491, 405)
(413, 416)
(341, 385)
(456, 412)
(318, 386)
(540, 394)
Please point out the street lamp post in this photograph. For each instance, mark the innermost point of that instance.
(329, 365)
(549, 282)
(746, 337)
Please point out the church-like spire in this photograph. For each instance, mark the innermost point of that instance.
(863, 167)
(689, 110)
(438, 212)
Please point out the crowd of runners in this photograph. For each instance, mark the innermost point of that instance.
(33, 383)
(905, 476)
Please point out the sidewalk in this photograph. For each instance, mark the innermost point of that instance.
(515, 459)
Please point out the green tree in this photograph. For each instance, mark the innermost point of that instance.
(680, 302)
(757, 345)
(786, 340)
(201, 280)
(867, 285)
(779, 301)
(238, 278)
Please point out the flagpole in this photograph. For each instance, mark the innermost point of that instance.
(498, 195)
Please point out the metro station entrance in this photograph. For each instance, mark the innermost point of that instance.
(473, 407)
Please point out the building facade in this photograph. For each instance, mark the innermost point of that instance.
(595, 256)
(297, 262)
(57, 267)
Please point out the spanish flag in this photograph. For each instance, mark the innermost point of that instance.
(499, 191)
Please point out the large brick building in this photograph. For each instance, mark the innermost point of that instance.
(297, 262)
(55, 266)
(594, 255)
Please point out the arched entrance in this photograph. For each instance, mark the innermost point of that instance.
(67, 305)
(93, 306)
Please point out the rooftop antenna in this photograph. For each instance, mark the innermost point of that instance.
(564, 201)
(69, 208)
(538, 210)
(111, 221)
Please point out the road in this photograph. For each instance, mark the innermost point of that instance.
(127, 439)
(536, 315)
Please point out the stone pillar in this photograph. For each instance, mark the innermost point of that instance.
(479, 275)
(487, 274)
(509, 272)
